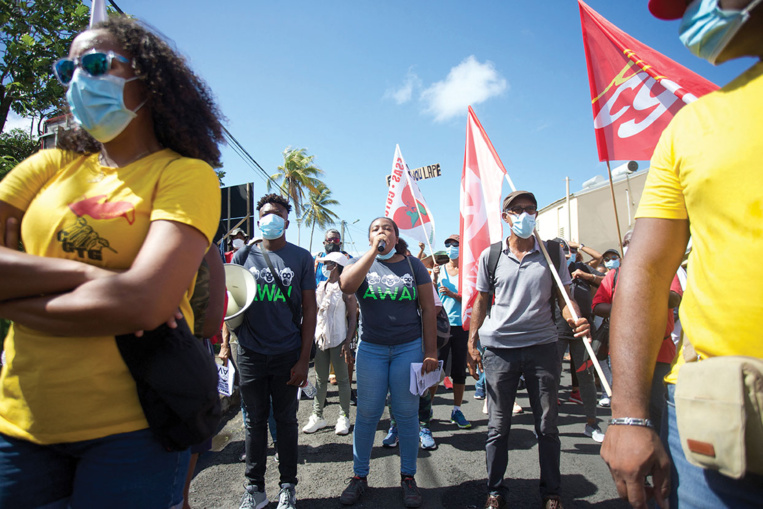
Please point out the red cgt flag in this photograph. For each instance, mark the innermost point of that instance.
(480, 208)
(635, 90)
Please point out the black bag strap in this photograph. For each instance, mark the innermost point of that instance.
(295, 314)
(492, 264)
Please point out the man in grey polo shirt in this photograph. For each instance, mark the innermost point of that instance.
(520, 337)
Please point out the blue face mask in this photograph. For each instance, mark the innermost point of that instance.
(523, 225)
(97, 103)
(452, 252)
(272, 226)
(706, 29)
(386, 256)
(570, 261)
(612, 264)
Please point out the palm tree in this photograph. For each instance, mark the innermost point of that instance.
(295, 175)
(317, 210)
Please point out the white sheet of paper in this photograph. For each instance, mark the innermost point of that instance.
(226, 376)
(421, 383)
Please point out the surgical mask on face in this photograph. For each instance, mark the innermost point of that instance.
(386, 256)
(238, 243)
(452, 252)
(272, 226)
(570, 261)
(326, 272)
(706, 29)
(97, 104)
(523, 225)
(612, 264)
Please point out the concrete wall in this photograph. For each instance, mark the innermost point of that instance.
(593, 218)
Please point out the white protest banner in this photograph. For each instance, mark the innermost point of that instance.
(405, 204)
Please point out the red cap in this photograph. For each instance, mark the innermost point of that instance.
(667, 9)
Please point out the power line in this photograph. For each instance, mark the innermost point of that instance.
(241, 151)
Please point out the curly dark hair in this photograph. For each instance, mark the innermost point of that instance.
(186, 118)
(276, 199)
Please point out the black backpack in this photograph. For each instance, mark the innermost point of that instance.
(492, 263)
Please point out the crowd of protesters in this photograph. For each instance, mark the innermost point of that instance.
(93, 274)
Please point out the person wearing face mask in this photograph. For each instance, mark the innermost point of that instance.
(274, 343)
(115, 222)
(335, 329)
(706, 167)
(519, 337)
(611, 259)
(331, 244)
(237, 238)
(446, 277)
(391, 288)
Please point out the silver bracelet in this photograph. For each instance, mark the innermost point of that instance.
(631, 421)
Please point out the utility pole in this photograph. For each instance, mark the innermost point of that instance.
(341, 244)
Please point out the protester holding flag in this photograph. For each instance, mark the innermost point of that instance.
(519, 337)
(115, 223)
(706, 167)
(391, 288)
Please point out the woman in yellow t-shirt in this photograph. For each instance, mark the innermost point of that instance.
(114, 223)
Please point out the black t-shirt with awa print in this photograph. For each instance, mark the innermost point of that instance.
(388, 301)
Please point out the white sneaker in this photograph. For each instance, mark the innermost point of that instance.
(605, 402)
(342, 425)
(314, 424)
(594, 432)
(287, 497)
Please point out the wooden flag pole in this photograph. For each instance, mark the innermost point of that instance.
(614, 204)
(585, 339)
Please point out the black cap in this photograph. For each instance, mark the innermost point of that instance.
(516, 194)
(615, 251)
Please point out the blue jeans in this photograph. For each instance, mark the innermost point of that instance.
(125, 470)
(381, 369)
(503, 367)
(692, 486)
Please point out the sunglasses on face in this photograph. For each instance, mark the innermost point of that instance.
(516, 209)
(96, 63)
(452, 243)
(333, 241)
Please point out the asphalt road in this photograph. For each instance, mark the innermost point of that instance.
(452, 476)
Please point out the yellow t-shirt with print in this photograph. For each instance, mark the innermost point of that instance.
(708, 167)
(65, 389)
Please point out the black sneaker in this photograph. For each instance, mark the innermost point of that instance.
(411, 494)
(355, 488)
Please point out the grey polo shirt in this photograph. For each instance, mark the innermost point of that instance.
(521, 315)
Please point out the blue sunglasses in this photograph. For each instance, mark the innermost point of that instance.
(96, 63)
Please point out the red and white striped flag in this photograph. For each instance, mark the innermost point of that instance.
(480, 209)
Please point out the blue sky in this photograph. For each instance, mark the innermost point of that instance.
(349, 80)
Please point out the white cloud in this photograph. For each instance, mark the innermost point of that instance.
(404, 94)
(468, 83)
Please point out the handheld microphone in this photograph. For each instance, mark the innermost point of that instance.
(382, 246)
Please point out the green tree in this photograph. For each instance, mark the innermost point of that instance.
(15, 146)
(297, 174)
(317, 210)
(33, 35)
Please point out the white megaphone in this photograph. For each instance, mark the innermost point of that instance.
(242, 288)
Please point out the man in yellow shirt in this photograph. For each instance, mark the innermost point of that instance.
(706, 167)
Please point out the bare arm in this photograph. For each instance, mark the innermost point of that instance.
(580, 327)
(636, 332)
(479, 312)
(351, 304)
(140, 298)
(216, 305)
(309, 318)
(602, 309)
(353, 275)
